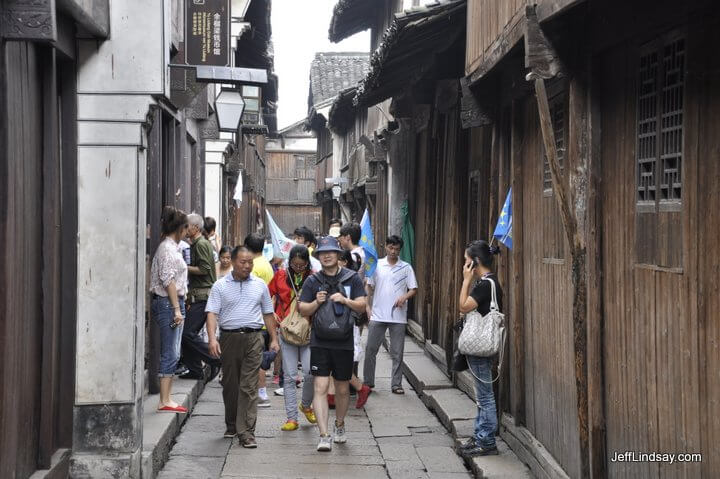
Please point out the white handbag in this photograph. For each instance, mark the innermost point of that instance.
(484, 336)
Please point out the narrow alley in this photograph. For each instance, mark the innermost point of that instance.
(393, 436)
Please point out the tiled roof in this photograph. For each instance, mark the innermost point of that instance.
(332, 72)
(352, 16)
(409, 46)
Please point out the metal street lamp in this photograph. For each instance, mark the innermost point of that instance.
(229, 106)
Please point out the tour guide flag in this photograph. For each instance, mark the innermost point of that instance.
(503, 230)
(367, 241)
(281, 243)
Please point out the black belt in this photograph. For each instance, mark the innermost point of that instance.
(157, 296)
(241, 330)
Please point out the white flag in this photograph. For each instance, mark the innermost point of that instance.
(281, 243)
(238, 189)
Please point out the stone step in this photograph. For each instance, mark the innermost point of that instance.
(456, 411)
(161, 428)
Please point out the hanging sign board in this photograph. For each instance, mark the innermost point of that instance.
(207, 32)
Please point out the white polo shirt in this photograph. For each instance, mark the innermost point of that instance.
(389, 283)
(239, 304)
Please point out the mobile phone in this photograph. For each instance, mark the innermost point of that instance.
(475, 263)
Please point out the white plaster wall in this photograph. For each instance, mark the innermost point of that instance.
(108, 273)
(116, 80)
(133, 60)
(213, 193)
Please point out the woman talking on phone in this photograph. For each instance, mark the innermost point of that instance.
(478, 261)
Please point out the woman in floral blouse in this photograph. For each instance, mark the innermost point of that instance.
(168, 285)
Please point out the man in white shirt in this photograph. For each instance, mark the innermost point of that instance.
(390, 288)
(240, 305)
(349, 239)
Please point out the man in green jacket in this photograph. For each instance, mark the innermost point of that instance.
(201, 277)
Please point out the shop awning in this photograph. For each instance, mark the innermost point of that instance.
(409, 48)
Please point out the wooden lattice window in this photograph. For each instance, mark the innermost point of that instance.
(558, 115)
(659, 152)
(553, 238)
(661, 81)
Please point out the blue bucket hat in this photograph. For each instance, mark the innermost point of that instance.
(328, 243)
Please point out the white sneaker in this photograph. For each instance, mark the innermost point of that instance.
(279, 392)
(325, 444)
(263, 402)
(339, 434)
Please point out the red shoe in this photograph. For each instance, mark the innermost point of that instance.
(179, 409)
(331, 401)
(362, 396)
(276, 379)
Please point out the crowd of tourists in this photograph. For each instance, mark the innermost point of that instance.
(239, 314)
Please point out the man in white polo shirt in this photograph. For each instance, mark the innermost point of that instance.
(240, 303)
(389, 288)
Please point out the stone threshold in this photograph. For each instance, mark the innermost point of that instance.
(161, 428)
(455, 408)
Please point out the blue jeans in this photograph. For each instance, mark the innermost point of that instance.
(486, 421)
(170, 338)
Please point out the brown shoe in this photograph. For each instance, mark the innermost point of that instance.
(249, 442)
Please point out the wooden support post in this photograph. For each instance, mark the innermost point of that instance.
(517, 318)
(579, 274)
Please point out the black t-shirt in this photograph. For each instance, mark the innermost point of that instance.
(482, 294)
(353, 285)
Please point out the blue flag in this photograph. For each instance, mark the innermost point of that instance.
(503, 230)
(367, 241)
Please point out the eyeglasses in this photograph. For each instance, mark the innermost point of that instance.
(299, 267)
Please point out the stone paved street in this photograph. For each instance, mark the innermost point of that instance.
(394, 436)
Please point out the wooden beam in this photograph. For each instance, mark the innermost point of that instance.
(517, 311)
(595, 316)
(33, 21)
(51, 283)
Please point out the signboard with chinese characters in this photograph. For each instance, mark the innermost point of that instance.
(207, 32)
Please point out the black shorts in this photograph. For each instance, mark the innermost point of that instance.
(338, 362)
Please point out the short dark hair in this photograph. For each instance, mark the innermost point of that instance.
(172, 220)
(210, 224)
(225, 249)
(305, 233)
(352, 229)
(396, 240)
(335, 221)
(255, 242)
(237, 250)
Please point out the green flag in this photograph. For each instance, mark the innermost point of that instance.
(408, 235)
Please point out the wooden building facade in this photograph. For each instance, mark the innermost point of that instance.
(629, 369)
(610, 287)
(291, 179)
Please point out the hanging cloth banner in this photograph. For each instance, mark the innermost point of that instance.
(238, 195)
(407, 253)
(367, 241)
(503, 230)
(281, 243)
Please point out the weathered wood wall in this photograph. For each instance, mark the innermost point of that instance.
(291, 183)
(487, 22)
(38, 221)
(661, 337)
(290, 217)
(440, 224)
(550, 400)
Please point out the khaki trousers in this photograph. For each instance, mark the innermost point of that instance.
(241, 358)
